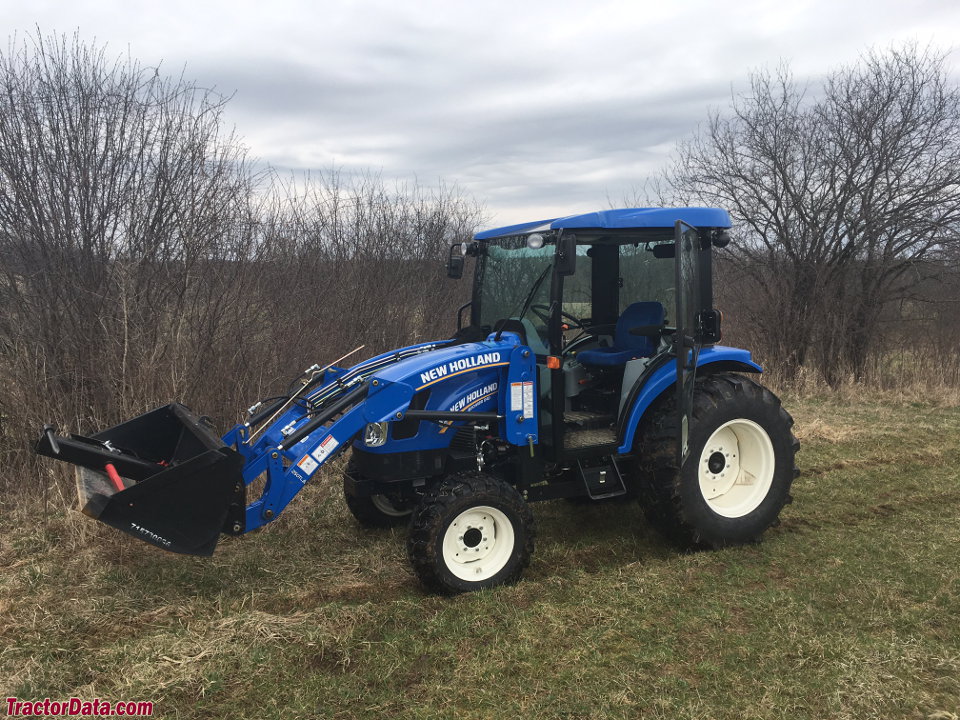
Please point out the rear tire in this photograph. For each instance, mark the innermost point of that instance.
(470, 532)
(738, 473)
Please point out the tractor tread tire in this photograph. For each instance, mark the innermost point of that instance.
(365, 510)
(440, 506)
(671, 499)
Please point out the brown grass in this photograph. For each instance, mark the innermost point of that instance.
(849, 609)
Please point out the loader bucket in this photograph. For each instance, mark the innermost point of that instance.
(164, 477)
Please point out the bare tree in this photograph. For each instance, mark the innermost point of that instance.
(841, 194)
(117, 185)
(143, 259)
(365, 259)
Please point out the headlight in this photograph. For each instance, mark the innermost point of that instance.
(375, 434)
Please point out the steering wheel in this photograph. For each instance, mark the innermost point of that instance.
(543, 312)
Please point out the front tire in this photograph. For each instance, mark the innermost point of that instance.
(470, 532)
(737, 476)
(375, 511)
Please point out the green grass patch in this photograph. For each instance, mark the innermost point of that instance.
(850, 608)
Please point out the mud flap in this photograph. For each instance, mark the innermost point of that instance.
(181, 486)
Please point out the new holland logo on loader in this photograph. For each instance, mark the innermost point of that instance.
(592, 359)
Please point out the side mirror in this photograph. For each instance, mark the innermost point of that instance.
(455, 262)
(567, 254)
(710, 321)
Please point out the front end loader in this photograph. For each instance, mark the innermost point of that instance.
(589, 369)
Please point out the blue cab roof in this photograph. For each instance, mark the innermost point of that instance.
(624, 219)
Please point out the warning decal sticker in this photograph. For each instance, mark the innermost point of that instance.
(528, 399)
(516, 397)
(308, 465)
(328, 445)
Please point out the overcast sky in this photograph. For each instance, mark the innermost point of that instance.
(534, 108)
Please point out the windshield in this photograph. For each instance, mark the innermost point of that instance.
(514, 283)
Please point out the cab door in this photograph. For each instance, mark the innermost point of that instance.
(688, 337)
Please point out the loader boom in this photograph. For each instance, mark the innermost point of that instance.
(286, 452)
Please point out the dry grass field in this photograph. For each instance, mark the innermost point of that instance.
(850, 608)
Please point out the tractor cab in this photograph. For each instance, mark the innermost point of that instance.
(603, 300)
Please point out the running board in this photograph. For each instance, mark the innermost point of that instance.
(602, 480)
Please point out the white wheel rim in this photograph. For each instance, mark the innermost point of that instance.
(736, 468)
(478, 543)
(383, 504)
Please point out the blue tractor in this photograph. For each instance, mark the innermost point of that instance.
(586, 366)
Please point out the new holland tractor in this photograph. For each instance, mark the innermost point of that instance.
(588, 368)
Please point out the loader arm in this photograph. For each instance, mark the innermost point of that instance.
(167, 479)
(304, 440)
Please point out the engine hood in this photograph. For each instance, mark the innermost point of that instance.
(427, 369)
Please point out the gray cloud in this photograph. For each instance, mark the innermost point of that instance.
(537, 108)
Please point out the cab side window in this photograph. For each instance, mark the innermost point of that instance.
(645, 278)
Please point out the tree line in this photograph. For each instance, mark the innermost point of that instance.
(144, 256)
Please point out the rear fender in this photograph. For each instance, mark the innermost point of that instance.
(664, 378)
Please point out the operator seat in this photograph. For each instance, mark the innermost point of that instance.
(626, 346)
